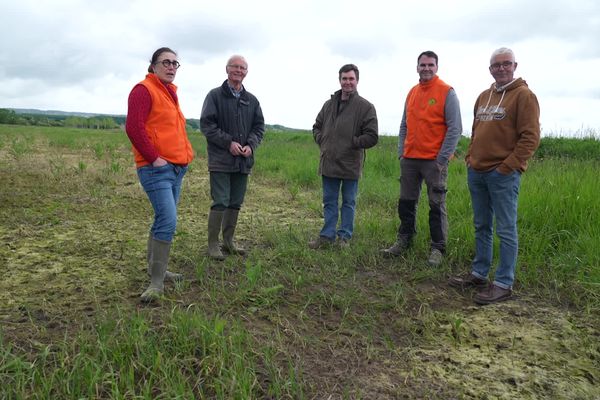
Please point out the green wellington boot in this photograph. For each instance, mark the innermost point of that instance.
(158, 268)
(169, 276)
(215, 219)
(230, 218)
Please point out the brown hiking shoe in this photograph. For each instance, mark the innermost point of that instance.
(467, 281)
(320, 243)
(492, 294)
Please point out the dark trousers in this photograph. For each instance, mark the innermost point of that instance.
(413, 173)
(227, 190)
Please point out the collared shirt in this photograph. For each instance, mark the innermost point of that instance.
(235, 93)
(503, 87)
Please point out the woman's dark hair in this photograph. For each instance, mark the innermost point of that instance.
(157, 54)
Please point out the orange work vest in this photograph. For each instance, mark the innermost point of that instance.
(165, 125)
(425, 119)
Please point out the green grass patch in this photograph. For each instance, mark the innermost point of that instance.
(284, 321)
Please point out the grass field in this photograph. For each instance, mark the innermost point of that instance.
(285, 322)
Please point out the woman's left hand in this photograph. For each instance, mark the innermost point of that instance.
(159, 162)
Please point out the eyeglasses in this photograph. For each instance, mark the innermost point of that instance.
(505, 65)
(236, 66)
(168, 63)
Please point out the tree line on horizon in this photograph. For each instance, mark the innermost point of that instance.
(10, 117)
(99, 122)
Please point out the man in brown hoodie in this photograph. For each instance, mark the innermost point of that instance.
(506, 133)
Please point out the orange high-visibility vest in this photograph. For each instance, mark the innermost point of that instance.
(165, 125)
(425, 119)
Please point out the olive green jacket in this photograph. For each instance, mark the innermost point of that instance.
(343, 130)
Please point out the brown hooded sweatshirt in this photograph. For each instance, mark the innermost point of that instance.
(506, 128)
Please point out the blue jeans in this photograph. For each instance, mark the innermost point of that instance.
(331, 193)
(494, 194)
(163, 185)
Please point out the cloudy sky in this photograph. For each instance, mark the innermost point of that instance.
(75, 55)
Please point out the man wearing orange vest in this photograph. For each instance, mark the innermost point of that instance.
(430, 129)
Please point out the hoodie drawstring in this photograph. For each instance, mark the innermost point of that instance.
(501, 98)
(490, 99)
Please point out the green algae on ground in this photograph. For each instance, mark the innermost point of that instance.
(519, 349)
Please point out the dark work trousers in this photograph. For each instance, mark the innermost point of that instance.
(227, 190)
(412, 173)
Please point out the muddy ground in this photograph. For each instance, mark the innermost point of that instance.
(72, 237)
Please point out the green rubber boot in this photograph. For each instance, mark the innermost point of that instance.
(158, 268)
(215, 219)
(230, 218)
(169, 276)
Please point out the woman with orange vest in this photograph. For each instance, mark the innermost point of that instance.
(156, 127)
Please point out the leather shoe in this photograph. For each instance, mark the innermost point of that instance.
(493, 294)
(467, 281)
(320, 242)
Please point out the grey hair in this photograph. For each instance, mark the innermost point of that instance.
(502, 50)
(237, 56)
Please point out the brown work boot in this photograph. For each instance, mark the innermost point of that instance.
(467, 281)
(492, 294)
(320, 243)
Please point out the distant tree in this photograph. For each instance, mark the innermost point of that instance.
(119, 120)
(109, 123)
(8, 116)
(76, 122)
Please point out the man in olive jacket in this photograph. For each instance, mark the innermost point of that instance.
(345, 127)
(233, 124)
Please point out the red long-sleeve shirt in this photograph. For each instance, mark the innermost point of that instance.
(139, 106)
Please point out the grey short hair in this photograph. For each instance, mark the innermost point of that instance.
(236, 56)
(502, 50)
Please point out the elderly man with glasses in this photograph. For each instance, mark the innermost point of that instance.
(506, 133)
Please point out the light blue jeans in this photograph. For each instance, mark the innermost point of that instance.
(331, 193)
(495, 195)
(163, 186)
